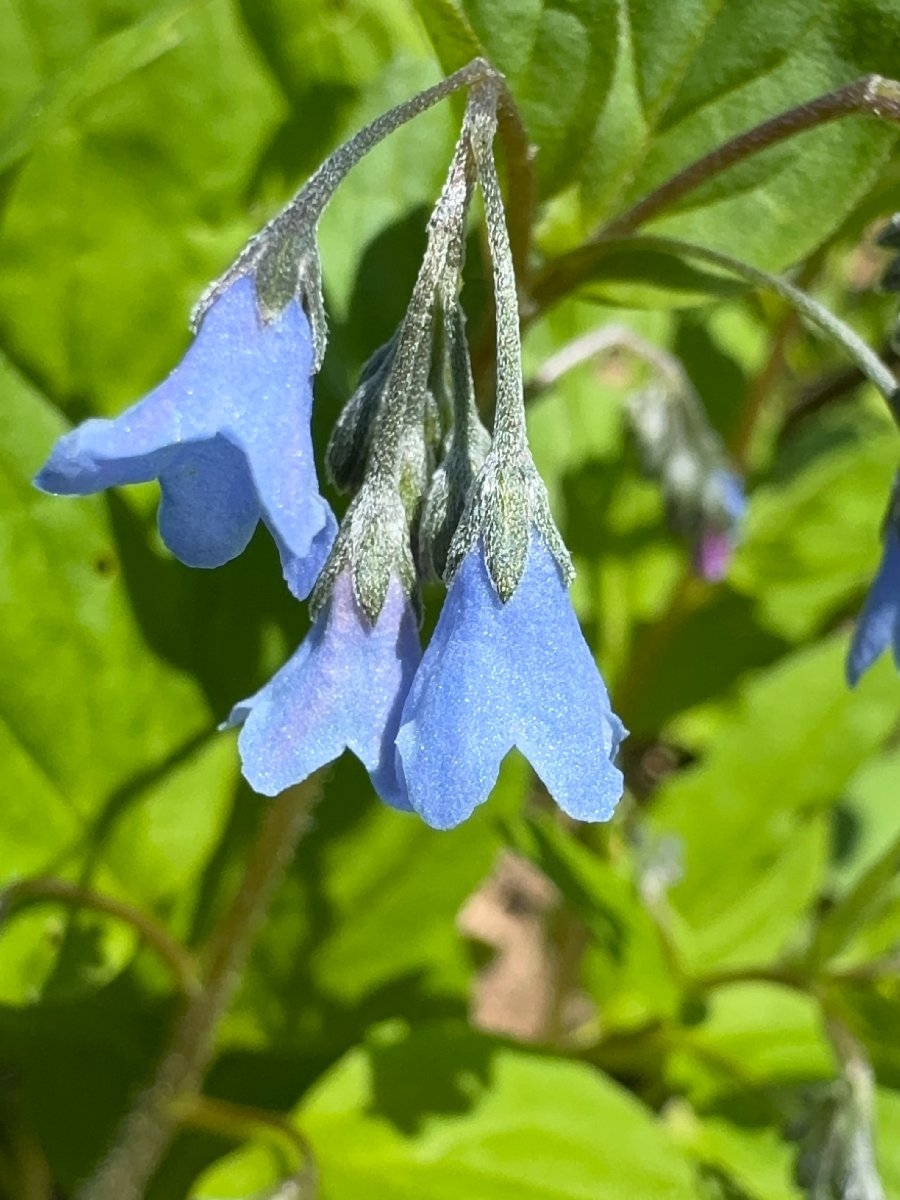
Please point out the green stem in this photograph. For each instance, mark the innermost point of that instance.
(785, 976)
(147, 1131)
(817, 314)
(241, 1121)
(294, 225)
(38, 889)
(509, 415)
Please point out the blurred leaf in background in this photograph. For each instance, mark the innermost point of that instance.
(690, 956)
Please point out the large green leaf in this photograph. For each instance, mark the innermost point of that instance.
(811, 537)
(692, 76)
(752, 816)
(137, 192)
(86, 705)
(62, 58)
(558, 59)
(442, 1112)
(649, 88)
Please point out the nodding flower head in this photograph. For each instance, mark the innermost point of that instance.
(343, 689)
(227, 435)
(498, 674)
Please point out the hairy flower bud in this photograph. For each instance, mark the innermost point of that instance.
(703, 496)
(465, 446)
(348, 446)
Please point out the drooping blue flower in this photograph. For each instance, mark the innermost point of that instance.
(344, 688)
(227, 435)
(878, 626)
(497, 675)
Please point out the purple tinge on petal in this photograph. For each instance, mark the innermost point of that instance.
(500, 675)
(343, 688)
(717, 540)
(242, 382)
(878, 625)
(712, 554)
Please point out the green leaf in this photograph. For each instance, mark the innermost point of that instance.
(453, 38)
(724, 67)
(753, 1037)
(811, 534)
(443, 1112)
(690, 77)
(631, 982)
(324, 59)
(140, 192)
(82, 64)
(887, 1139)
(558, 60)
(752, 817)
(117, 810)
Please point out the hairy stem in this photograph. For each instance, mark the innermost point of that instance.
(147, 1131)
(871, 95)
(825, 320)
(509, 419)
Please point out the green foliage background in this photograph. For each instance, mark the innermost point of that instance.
(141, 143)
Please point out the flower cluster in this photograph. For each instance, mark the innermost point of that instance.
(434, 496)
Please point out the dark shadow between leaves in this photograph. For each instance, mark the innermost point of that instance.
(437, 1070)
(209, 623)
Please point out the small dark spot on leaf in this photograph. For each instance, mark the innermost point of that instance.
(106, 564)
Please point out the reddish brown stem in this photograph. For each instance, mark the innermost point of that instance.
(871, 95)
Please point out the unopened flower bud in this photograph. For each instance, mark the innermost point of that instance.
(466, 444)
(348, 446)
(704, 497)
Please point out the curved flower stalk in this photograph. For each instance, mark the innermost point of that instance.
(507, 664)
(346, 685)
(227, 435)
